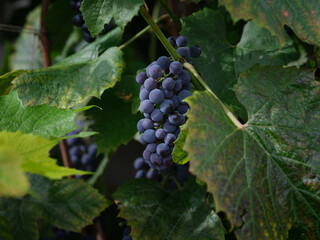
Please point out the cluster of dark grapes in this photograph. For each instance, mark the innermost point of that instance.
(83, 153)
(143, 170)
(165, 85)
(79, 22)
(59, 234)
(126, 233)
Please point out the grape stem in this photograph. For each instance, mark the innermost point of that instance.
(197, 81)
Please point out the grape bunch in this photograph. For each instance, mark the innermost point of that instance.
(143, 169)
(180, 43)
(79, 22)
(83, 153)
(164, 86)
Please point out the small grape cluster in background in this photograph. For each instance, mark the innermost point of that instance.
(59, 234)
(79, 22)
(164, 86)
(126, 233)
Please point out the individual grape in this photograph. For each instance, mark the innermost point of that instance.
(168, 161)
(139, 174)
(178, 85)
(160, 133)
(92, 149)
(195, 51)
(107, 28)
(182, 41)
(147, 123)
(167, 94)
(178, 131)
(172, 41)
(78, 20)
(183, 94)
(157, 115)
(166, 106)
(175, 68)
(175, 118)
(84, 28)
(183, 108)
(86, 159)
(150, 84)
(148, 67)
(151, 147)
(175, 101)
(146, 106)
(168, 84)
(141, 77)
(168, 127)
(139, 126)
(155, 71)
(73, 4)
(142, 141)
(163, 150)
(138, 163)
(183, 52)
(170, 138)
(163, 62)
(186, 87)
(149, 136)
(156, 159)
(151, 174)
(184, 77)
(156, 96)
(87, 37)
(144, 94)
(183, 120)
(146, 155)
(73, 141)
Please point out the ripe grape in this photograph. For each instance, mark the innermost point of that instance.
(183, 52)
(163, 62)
(146, 106)
(176, 68)
(157, 115)
(195, 51)
(182, 41)
(156, 96)
(149, 136)
(155, 71)
(150, 84)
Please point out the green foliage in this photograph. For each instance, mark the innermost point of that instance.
(96, 13)
(68, 204)
(221, 63)
(5, 233)
(40, 120)
(302, 16)
(155, 213)
(179, 155)
(114, 120)
(266, 171)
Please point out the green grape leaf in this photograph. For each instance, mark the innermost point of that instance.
(96, 13)
(33, 152)
(5, 81)
(40, 120)
(179, 155)
(220, 62)
(5, 233)
(27, 54)
(69, 204)
(114, 122)
(302, 16)
(263, 174)
(65, 86)
(155, 213)
(13, 181)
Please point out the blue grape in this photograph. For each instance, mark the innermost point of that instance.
(166, 93)
(195, 51)
(160, 133)
(148, 67)
(168, 161)
(183, 108)
(182, 41)
(175, 68)
(151, 174)
(186, 87)
(163, 150)
(168, 127)
(78, 20)
(146, 106)
(73, 141)
(183, 94)
(166, 106)
(86, 159)
(150, 84)
(183, 52)
(144, 94)
(146, 155)
(151, 147)
(87, 37)
(157, 115)
(141, 77)
(178, 131)
(170, 138)
(172, 41)
(139, 174)
(107, 28)
(139, 126)
(147, 115)
(163, 62)
(155, 71)
(139, 163)
(149, 136)
(175, 118)
(142, 141)
(127, 231)
(184, 77)
(156, 159)
(92, 149)
(178, 85)
(168, 84)
(147, 123)
(156, 96)
(175, 101)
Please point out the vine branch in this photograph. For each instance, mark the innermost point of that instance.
(45, 50)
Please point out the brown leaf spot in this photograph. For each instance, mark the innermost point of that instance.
(285, 13)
